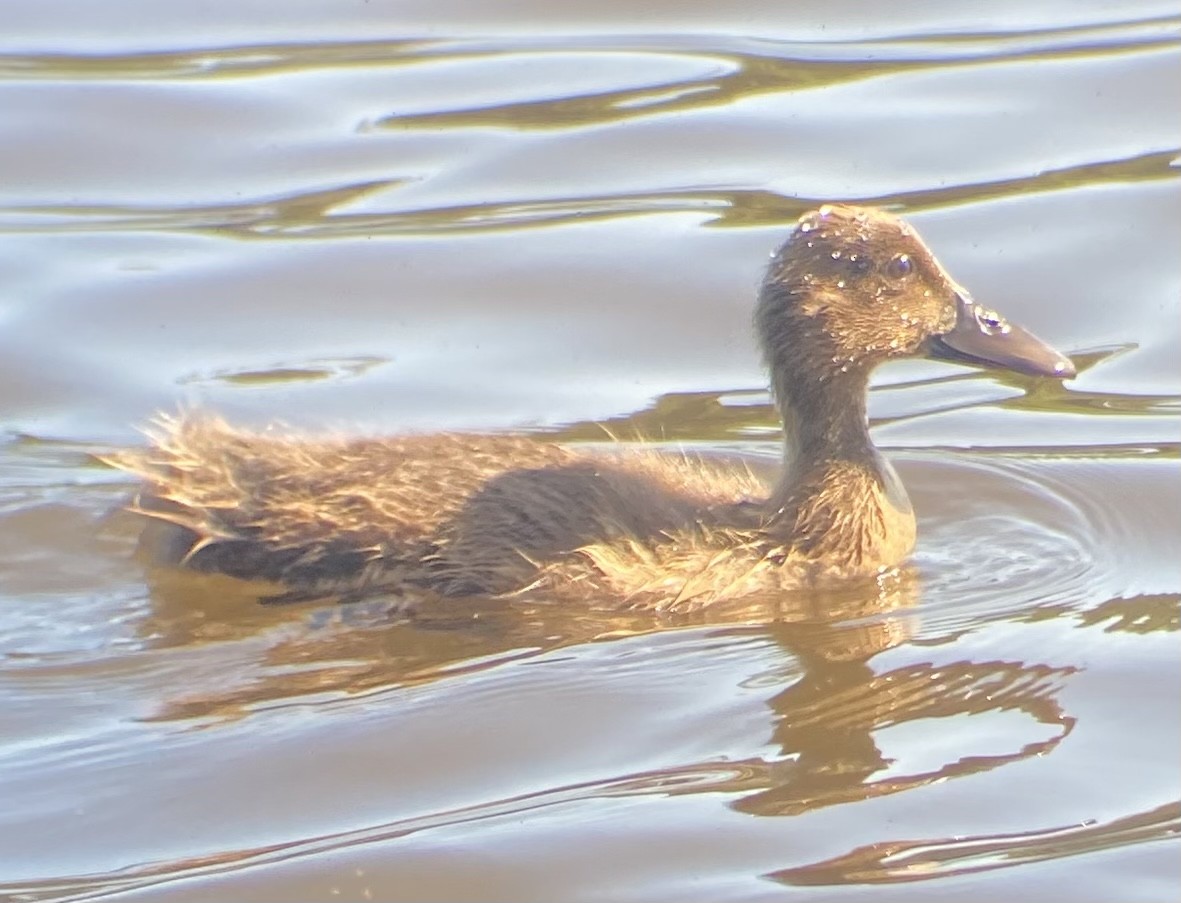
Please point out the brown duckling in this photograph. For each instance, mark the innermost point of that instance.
(456, 515)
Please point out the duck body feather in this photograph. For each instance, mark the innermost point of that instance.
(458, 514)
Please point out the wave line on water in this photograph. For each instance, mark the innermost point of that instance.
(310, 214)
(892, 862)
(694, 778)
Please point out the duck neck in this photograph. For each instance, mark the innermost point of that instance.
(825, 421)
(839, 503)
(826, 437)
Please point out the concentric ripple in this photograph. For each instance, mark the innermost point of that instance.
(1001, 533)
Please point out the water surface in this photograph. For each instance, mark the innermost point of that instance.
(456, 216)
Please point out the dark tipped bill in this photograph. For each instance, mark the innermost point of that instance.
(982, 336)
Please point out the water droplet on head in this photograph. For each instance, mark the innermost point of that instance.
(806, 225)
(825, 210)
(840, 283)
(836, 255)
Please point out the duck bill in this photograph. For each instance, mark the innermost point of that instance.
(983, 337)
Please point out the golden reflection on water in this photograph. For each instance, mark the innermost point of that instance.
(722, 415)
(291, 372)
(310, 215)
(759, 68)
(374, 645)
(770, 71)
(823, 724)
(826, 722)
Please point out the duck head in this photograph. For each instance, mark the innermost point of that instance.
(854, 287)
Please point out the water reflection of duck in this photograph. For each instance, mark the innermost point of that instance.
(462, 515)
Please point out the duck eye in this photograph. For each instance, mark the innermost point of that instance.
(899, 267)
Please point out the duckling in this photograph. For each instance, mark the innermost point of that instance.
(469, 515)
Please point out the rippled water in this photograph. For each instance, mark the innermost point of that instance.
(456, 215)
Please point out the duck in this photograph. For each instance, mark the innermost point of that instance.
(467, 515)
